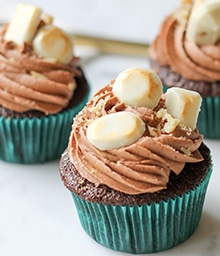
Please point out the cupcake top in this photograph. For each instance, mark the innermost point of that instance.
(130, 136)
(188, 41)
(37, 66)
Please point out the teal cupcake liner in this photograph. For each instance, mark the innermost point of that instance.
(36, 140)
(146, 228)
(209, 117)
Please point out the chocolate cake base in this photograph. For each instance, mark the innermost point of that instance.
(171, 78)
(192, 175)
(79, 94)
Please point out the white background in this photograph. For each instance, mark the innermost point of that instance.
(130, 20)
(37, 214)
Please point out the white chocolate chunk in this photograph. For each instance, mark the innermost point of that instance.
(204, 22)
(52, 42)
(138, 87)
(184, 105)
(115, 130)
(24, 24)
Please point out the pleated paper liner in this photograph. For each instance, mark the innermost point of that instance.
(36, 140)
(146, 228)
(209, 118)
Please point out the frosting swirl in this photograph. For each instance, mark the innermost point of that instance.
(141, 167)
(193, 62)
(28, 82)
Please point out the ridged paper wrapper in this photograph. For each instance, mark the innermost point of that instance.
(147, 228)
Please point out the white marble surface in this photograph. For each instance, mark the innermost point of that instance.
(37, 214)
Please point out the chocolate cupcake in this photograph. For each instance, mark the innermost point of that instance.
(42, 87)
(186, 54)
(136, 165)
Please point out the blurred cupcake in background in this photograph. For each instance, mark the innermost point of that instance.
(136, 164)
(42, 87)
(186, 54)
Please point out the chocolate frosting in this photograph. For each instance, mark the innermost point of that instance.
(142, 167)
(193, 62)
(191, 175)
(28, 82)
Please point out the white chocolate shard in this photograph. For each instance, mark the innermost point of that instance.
(115, 130)
(51, 42)
(138, 87)
(23, 25)
(47, 19)
(38, 75)
(184, 105)
(170, 122)
(204, 22)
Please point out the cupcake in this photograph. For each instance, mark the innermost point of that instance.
(136, 164)
(42, 87)
(186, 54)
